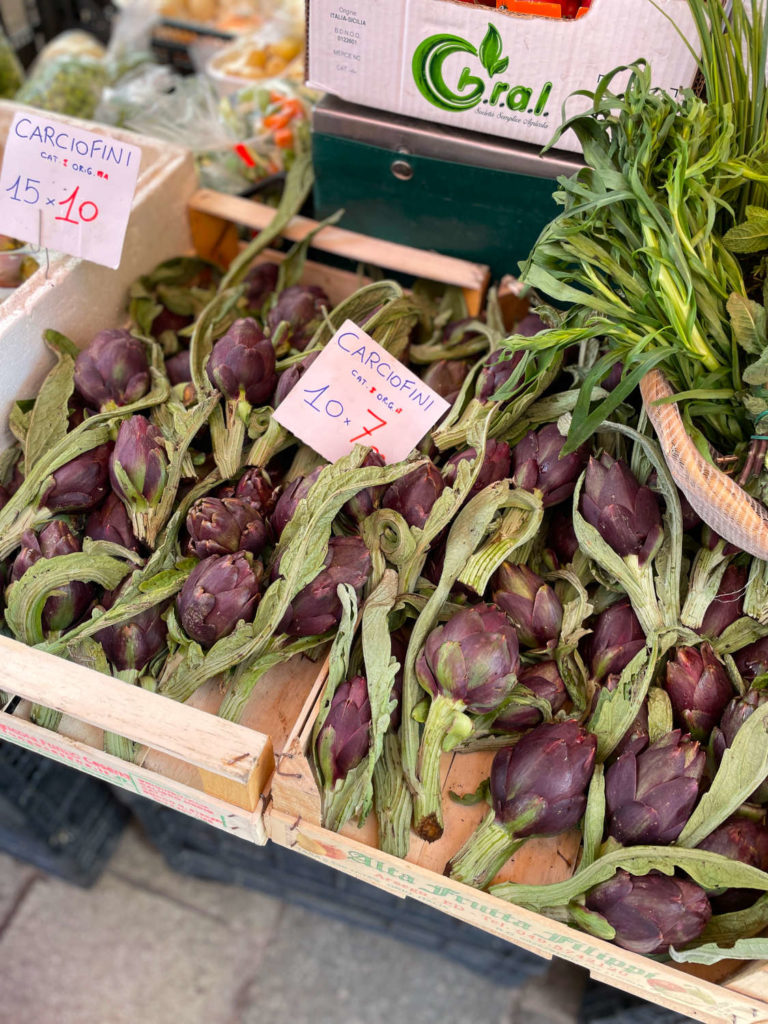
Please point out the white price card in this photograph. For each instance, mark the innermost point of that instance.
(67, 189)
(356, 393)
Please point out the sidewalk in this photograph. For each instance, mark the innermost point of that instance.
(147, 945)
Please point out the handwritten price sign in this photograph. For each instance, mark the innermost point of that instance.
(356, 393)
(67, 189)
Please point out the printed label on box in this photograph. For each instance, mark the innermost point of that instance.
(66, 189)
(356, 393)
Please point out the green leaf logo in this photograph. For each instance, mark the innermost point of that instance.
(490, 52)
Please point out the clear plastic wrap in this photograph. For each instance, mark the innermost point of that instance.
(66, 85)
(238, 140)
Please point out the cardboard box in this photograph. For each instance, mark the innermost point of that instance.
(489, 70)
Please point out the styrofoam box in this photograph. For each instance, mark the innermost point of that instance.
(487, 70)
(79, 298)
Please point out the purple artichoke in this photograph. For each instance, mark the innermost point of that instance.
(472, 658)
(167, 320)
(317, 607)
(301, 306)
(728, 604)
(736, 712)
(495, 465)
(561, 536)
(650, 794)
(67, 604)
(242, 364)
(637, 736)
(617, 638)
(538, 466)
(752, 661)
(289, 378)
(80, 484)
(178, 369)
(744, 840)
(133, 644)
(446, 377)
(260, 282)
(255, 488)
(138, 468)
(288, 501)
(651, 912)
(344, 738)
(221, 591)
(531, 604)
(365, 502)
(698, 689)
(221, 526)
(113, 369)
(544, 682)
(538, 787)
(111, 522)
(547, 772)
(495, 373)
(625, 514)
(414, 494)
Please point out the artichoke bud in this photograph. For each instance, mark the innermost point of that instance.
(138, 467)
(531, 604)
(626, 515)
(113, 370)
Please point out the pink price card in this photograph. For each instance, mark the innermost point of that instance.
(356, 393)
(66, 189)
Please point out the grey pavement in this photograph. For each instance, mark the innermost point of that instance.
(146, 944)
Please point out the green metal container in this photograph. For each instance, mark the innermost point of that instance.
(459, 193)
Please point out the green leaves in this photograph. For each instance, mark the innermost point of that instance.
(748, 323)
(710, 870)
(490, 52)
(49, 419)
(27, 596)
(742, 769)
(750, 236)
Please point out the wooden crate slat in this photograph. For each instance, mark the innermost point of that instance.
(135, 779)
(339, 241)
(241, 756)
(668, 986)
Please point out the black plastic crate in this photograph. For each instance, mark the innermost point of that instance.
(194, 848)
(56, 818)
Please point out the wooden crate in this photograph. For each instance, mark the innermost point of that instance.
(192, 761)
(732, 992)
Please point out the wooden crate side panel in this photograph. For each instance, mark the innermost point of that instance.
(751, 980)
(658, 983)
(242, 758)
(135, 779)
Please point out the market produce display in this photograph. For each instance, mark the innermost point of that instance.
(568, 572)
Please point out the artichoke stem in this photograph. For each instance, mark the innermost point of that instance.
(484, 854)
(228, 453)
(392, 799)
(443, 730)
(46, 718)
(120, 746)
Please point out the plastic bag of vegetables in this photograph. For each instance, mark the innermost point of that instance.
(66, 85)
(11, 71)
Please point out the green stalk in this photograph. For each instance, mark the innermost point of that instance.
(485, 852)
(392, 799)
(46, 718)
(445, 728)
(120, 746)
